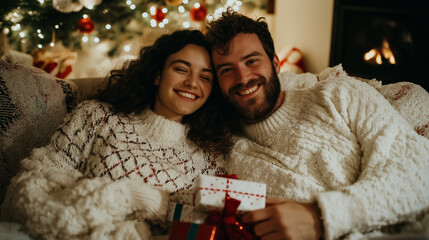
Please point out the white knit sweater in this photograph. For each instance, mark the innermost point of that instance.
(95, 179)
(343, 145)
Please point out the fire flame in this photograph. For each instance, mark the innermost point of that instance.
(376, 56)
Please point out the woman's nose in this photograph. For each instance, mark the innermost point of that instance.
(191, 80)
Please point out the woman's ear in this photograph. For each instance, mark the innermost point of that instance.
(157, 80)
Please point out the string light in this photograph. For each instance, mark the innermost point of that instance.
(175, 17)
(16, 27)
(127, 48)
(153, 23)
(152, 10)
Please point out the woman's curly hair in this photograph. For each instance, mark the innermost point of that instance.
(132, 89)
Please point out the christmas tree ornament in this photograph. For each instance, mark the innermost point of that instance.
(159, 15)
(173, 2)
(90, 3)
(67, 6)
(86, 25)
(198, 13)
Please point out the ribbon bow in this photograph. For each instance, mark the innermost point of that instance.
(228, 225)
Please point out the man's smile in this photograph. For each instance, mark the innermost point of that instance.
(248, 91)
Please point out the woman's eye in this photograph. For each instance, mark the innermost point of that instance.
(184, 70)
(206, 78)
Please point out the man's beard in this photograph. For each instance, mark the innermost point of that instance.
(255, 113)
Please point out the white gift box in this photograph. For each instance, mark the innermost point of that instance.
(211, 192)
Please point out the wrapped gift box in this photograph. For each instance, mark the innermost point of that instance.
(192, 231)
(212, 190)
(185, 213)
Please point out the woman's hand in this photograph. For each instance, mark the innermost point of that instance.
(283, 219)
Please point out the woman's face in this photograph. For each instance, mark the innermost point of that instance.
(185, 83)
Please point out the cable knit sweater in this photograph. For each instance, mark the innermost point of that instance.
(343, 145)
(95, 179)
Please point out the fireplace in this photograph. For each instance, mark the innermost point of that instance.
(383, 39)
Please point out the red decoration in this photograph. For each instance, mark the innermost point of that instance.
(228, 225)
(159, 15)
(86, 25)
(198, 14)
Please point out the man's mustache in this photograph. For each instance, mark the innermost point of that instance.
(240, 87)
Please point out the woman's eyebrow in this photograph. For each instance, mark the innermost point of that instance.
(189, 65)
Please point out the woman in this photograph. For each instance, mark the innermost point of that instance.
(113, 162)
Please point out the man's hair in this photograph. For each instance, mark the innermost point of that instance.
(220, 32)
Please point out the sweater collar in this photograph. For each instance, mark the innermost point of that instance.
(269, 126)
(159, 127)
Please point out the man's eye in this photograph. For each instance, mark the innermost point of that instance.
(224, 71)
(251, 61)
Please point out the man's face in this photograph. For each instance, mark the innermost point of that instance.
(247, 76)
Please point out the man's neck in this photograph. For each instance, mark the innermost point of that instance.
(279, 102)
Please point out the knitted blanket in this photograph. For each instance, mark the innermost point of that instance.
(32, 104)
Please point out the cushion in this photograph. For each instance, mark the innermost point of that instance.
(33, 104)
(412, 102)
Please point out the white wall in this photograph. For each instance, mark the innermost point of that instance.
(307, 25)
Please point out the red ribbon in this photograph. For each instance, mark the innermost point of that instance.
(228, 225)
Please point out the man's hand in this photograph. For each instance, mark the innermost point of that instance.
(286, 220)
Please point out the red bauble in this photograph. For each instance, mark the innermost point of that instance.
(198, 14)
(86, 25)
(159, 15)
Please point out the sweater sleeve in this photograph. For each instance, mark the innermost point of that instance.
(393, 186)
(51, 197)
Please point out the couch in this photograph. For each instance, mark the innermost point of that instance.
(34, 103)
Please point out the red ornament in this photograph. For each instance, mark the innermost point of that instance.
(198, 14)
(159, 15)
(86, 25)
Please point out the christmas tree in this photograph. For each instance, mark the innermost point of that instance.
(35, 24)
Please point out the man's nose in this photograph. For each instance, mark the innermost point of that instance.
(243, 74)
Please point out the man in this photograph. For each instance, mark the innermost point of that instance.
(338, 153)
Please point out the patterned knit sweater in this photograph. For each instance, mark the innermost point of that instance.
(343, 145)
(96, 178)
